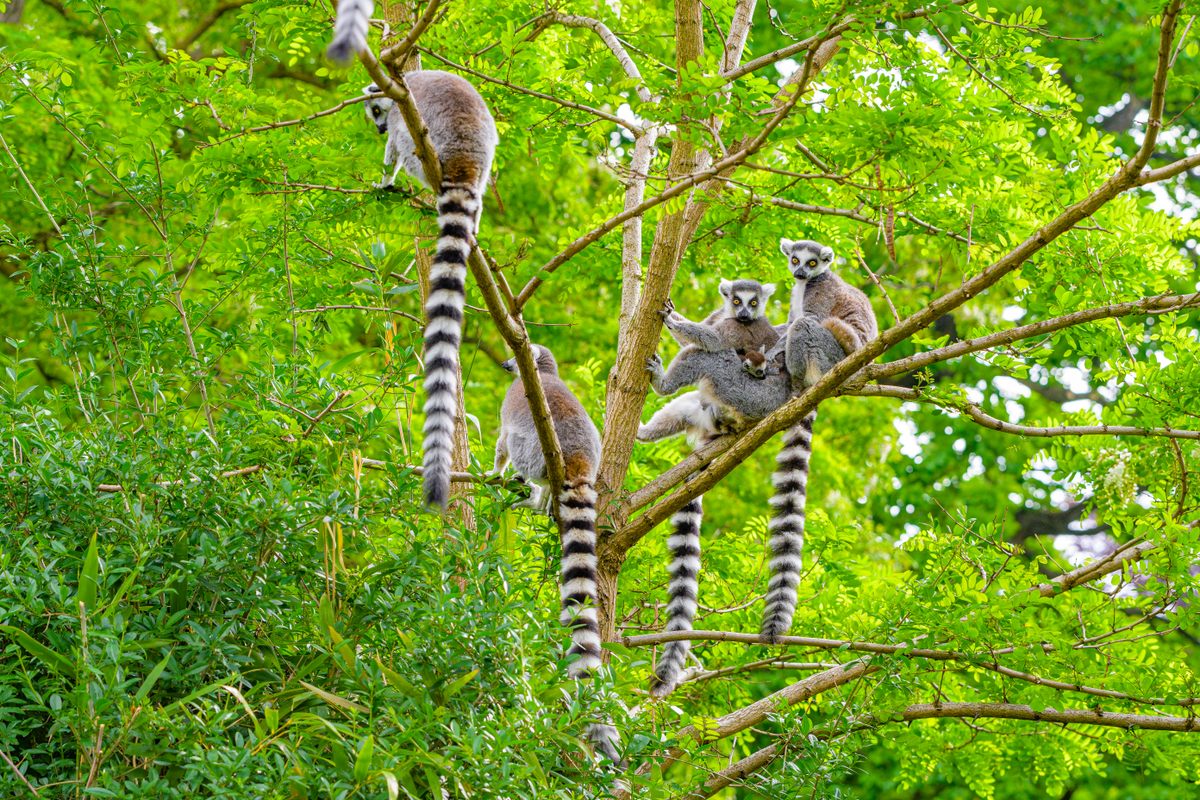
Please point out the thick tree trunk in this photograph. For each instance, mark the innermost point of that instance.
(638, 339)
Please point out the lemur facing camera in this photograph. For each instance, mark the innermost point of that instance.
(519, 445)
(828, 320)
(464, 136)
(710, 359)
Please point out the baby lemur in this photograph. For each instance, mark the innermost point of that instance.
(519, 445)
(828, 320)
(464, 137)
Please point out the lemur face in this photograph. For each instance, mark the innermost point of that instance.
(806, 259)
(746, 300)
(378, 108)
(543, 359)
(755, 364)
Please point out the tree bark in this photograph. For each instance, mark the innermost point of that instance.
(627, 383)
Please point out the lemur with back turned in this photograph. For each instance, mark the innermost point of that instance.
(464, 136)
(828, 320)
(710, 358)
(519, 445)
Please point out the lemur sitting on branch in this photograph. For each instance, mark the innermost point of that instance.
(828, 320)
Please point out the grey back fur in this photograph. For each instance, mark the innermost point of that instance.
(460, 126)
(577, 434)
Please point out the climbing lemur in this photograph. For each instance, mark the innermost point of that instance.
(739, 323)
(828, 320)
(519, 445)
(464, 136)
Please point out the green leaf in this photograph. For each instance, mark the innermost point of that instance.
(152, 679)
(55, 661)
(362, 764)
(88, 577)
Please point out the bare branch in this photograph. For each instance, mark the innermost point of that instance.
(857, 216)
(753, 714)
(631, 245)
(1106, 719)
(1147, 305)
(595, 112)
(841, 27)
(739, 29)
(290, 122)
(396, 53)
(684, 184)
(611, 41)
(207, 21)
(116, 488)
(976, 414)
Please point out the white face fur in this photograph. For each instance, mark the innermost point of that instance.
(377, 108)
(746, 300)
(806, 259)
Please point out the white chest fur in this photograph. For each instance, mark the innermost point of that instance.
(797, 307)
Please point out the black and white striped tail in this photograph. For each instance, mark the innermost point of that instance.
(786, 528)
(458, 213)
(350, 29)
(577, 587)
(682, 592)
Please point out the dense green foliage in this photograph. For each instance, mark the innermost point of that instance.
(182, 296)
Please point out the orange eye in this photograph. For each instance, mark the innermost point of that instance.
(795, 261)
(753, 303)
(737, 302)
(812, 262)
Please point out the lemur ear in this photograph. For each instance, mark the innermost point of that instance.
(726, 287)
(768, 289)
(371, 89)
(827, 254)
(785, 246)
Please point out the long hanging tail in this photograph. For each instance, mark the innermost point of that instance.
(350, 29)
(682, 592)
(787, 527)
(458, 212)
(577, 515)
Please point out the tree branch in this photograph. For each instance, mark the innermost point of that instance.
(976, 414)
(611, 41)
(1159, 304)
(207, 21)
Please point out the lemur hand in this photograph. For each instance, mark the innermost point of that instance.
(667, 311)
(654, 365)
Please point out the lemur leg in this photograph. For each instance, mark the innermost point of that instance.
(501, 460)
(538, 500)
(675, 417)
(812, 350)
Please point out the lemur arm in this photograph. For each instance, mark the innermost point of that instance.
(687, 332)
(682, 373)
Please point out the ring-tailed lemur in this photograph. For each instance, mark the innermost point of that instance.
(519, 445)
(464, 136)
(739, 323)
(828, 320)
